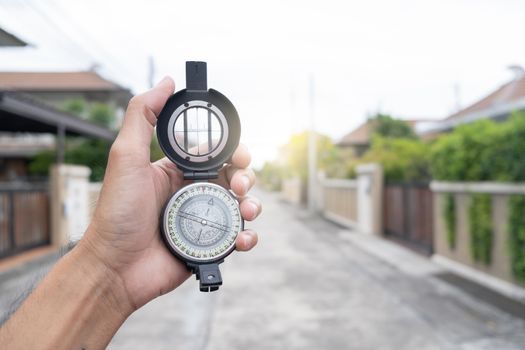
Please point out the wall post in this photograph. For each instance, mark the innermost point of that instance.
(69, 189)
(370, 199)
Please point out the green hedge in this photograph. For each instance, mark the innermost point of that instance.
(517, 236)
(480, 219)
(449, 214)
(402, 159)
(481, 151)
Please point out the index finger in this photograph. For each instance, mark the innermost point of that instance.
(241, 158)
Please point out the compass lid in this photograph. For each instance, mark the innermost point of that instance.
(198, 128)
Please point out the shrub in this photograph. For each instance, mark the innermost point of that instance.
(480, 219)
(481, 151)
(517, 236)
(402, 159)
(449, 214)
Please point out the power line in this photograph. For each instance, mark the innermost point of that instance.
(101, 55)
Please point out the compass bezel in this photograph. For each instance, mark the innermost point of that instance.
(166, 233)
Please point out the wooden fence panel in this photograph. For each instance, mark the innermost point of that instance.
(408, 214)
(340, 201)
(24, 218)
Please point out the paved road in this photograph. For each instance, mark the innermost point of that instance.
(306, 286)
(311, 285)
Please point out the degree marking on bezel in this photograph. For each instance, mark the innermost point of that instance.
(174, 237)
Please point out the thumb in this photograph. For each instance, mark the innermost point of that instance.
(141, 117)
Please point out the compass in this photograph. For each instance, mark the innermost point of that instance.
(199, 129)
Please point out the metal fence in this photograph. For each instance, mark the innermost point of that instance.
(24, 217)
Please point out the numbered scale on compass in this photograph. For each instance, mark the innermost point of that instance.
(199, 129)
(203, 222)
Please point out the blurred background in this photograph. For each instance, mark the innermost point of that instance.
(388, 138)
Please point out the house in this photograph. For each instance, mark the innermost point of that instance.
(497, 105)
(46, 92)
(28, 126)
(56, 88)
(360, 138)
(39, 73)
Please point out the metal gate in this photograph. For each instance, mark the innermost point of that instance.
(407, 213)
(24, 217)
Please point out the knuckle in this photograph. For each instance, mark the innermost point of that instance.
(135, 102)
(117, 150)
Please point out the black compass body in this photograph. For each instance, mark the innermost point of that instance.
(199, 129)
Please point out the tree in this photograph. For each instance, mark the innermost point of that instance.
(76, 106)
(92, 153)
(329, 157)
(386, 126)
(402, 159)
(102, 114)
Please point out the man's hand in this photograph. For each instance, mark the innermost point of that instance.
(121, 263)
(124, 233)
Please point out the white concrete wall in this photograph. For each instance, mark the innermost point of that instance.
(370, 198)
(69, 203)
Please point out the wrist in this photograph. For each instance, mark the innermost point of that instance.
(99, 274)
(81, 303)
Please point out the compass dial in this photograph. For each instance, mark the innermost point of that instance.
(201, 222)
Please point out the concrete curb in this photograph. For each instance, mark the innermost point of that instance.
(508, 289)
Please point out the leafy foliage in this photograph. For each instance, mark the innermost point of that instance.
(76, 106)
(395, 146)
(271, 175)
(92, 153)
(480, 219)
(482, 151)
(329, 157)
(386, 126)
(102, 114)
(40, 163)
(156, 152)
(449, 214)
(517, 236)
(403, 159)
(487, 151)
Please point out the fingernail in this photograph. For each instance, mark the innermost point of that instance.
(248, 240)
(245, 182)
(253, 210)
(162, 81)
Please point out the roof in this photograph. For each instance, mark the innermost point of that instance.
(361, 135)
(56, 81)
(10, 40)
(18, 113)
(496, 105)
(509, 92)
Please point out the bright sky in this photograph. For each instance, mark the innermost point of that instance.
(400, 57)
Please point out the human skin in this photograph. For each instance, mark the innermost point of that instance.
(121, 262)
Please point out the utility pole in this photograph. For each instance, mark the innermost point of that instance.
(312, 152)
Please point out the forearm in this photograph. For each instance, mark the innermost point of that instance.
(79, 305)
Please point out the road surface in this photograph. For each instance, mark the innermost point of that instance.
(310, 284)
